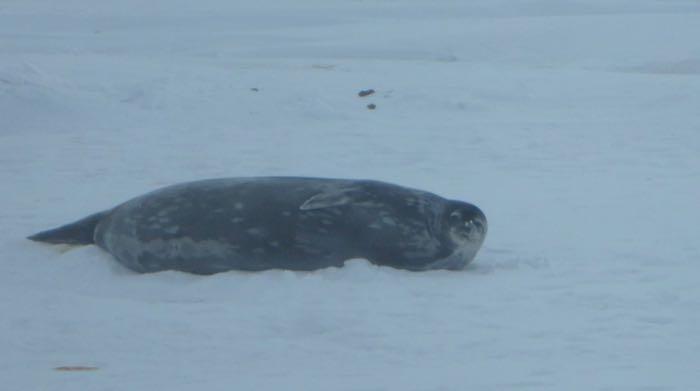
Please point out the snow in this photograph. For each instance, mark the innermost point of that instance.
(573, 125)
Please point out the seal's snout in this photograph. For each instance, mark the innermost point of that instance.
(467, 226)
(482, 224)
(468, 219)
(466, 230)
(475, 228)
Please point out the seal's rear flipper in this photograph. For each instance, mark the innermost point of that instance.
(79, 232)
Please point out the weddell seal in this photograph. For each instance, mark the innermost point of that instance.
(293, 223)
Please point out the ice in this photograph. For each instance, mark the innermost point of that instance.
(573, 125)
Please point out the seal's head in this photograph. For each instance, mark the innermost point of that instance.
(465, 226)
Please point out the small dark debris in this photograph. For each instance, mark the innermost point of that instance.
(255, 89)
(364, 93)
(75, 368)
(371, 106)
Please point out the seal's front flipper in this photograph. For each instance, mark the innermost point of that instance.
(79, 232)
(335, 197)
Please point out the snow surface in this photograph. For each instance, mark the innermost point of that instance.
(575, 126)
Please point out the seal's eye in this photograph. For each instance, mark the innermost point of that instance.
(456, 218)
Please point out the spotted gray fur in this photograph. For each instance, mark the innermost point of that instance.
(294, 223)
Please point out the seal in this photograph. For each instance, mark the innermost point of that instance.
(293, 223)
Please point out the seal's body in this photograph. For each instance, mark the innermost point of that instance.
(292, 223)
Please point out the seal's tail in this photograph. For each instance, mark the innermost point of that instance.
(79, 232)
